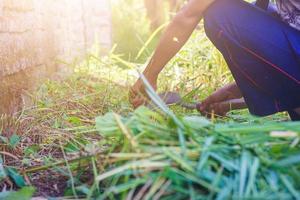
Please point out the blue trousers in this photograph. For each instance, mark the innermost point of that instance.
(262, 52)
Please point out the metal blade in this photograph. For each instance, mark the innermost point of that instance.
(173, 98)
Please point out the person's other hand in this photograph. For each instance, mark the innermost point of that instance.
(137, 94)
(223, 107)
(219, 102)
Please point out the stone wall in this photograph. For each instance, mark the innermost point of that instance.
(36, 34)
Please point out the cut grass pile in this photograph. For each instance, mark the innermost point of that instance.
(160, 155)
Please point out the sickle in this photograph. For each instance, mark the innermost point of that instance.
(173, 98)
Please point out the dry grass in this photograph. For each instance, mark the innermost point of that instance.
(63, 116)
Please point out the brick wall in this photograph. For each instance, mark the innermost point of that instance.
(34, 34)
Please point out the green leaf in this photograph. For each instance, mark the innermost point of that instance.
(180, 160)
(33, 149)
(72, 147)
(2, 170)
(74, 120)
(196, 122)
(14, 140)
(84, 189)
(227, 164)
(243, 173)
(292, 160)
(16, 177)
(290, 187)
(204, 154)
(160, 103)
(25, 193)
(107, 125)
(4, 139)
(252, 176)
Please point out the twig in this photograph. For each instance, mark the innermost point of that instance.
(10, 155)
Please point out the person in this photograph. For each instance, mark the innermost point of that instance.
(155, 11)
(262, 51)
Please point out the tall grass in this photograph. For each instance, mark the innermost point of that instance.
(131, 28)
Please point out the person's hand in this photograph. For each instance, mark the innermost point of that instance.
(137, 94)
(222, 101)
(223, 107)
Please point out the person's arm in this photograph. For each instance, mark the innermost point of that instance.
(175, 36)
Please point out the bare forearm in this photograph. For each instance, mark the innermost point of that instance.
(176, 35)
